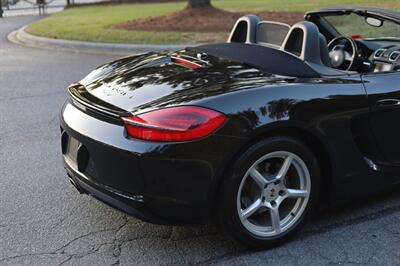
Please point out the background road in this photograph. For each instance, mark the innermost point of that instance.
(28, 7)
(43, 219)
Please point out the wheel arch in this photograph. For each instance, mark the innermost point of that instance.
(310, 139)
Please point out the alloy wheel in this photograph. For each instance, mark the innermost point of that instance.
(273, 194)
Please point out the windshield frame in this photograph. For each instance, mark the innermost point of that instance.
(319, 18)
(364, 15)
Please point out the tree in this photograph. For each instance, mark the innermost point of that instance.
(199, 3)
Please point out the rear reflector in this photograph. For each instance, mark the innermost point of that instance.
(174, 124)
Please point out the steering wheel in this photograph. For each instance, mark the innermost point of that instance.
(343, 52)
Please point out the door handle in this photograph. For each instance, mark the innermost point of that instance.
(388, 103)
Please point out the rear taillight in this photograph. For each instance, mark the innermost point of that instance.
(174, 124)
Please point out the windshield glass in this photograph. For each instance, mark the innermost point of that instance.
(355, 25)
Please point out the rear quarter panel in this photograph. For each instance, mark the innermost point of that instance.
(335, 111)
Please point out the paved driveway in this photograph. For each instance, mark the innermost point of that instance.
(43, 220)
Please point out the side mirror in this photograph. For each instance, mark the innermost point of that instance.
(374, 22)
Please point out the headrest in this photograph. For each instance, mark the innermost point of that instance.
(303, 41)
(244, 30)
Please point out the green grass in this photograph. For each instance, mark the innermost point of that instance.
(95, 23)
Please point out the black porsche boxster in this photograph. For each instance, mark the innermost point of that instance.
(252, 133)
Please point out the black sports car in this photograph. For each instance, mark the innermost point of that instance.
(251, 133)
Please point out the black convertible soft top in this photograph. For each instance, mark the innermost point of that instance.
(268, 59)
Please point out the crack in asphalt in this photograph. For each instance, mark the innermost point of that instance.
(117, 244)
(27, 255)
(65, 261)
(60, 250)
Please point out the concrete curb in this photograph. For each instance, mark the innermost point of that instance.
(21, 37)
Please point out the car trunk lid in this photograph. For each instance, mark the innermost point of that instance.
(137, 83)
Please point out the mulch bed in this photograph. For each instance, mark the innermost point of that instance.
(202, 20)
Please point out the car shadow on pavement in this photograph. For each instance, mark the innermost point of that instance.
(157, 244)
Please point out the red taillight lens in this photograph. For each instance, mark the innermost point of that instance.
(174, 124)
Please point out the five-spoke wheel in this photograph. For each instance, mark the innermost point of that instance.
(270, 191)
(274, 193)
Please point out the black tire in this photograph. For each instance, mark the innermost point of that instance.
(227, 216)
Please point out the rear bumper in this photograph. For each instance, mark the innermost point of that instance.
(156, 182)
(133, 205)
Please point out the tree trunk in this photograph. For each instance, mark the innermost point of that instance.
(199, 3)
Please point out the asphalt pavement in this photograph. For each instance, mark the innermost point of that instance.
(44, 221)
